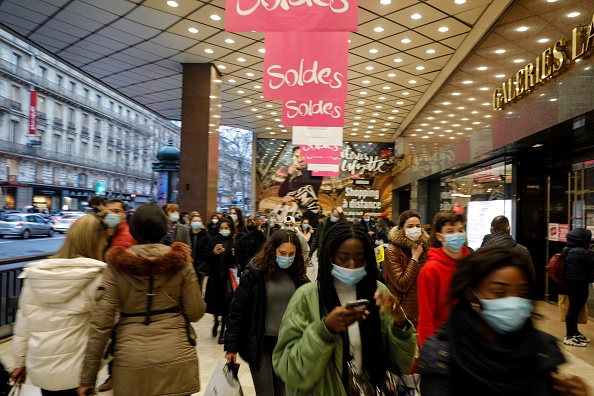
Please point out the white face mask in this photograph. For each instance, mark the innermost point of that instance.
(413, 233)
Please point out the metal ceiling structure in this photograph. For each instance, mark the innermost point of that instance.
(422, 69)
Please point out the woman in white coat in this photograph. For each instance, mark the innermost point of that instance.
(52, 324)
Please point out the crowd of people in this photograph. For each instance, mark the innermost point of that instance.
(463, 320)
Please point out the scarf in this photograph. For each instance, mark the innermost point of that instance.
(482, 368)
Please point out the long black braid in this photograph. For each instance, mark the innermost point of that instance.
(374, 359)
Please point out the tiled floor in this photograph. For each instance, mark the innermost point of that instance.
(580, 360)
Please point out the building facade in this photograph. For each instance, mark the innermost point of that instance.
(65, 137)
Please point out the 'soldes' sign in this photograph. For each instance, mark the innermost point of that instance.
(317, 112)
(291, 15)
(306, 66)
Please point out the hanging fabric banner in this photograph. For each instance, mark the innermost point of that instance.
(33, 114)
(322, 160)
(308, 135)
(313, 113)
(291, 15)
(306, 66)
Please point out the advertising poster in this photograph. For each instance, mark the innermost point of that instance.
(162, 188)
(285, 185)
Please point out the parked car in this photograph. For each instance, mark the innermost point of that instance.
(62, 224)
(25, 225)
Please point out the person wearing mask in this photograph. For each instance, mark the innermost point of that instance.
(335, 216)
(218, 288)
(271, 226)
(213, 226)
(448, 240)
(579, 272)
(259, 304)
(184, 218)
(368, 225)
(50, 331)
(201, 247)
(323, 341)
(177, 232)
(404, 258)
(237, 216)
(250, 244)
(116, 221)
(489, 345)
(382, 230)
(290, 225)
(306, 231)
(97, 204)
(155, 289)
(500, 235)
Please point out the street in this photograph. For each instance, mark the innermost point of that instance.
(16, 247)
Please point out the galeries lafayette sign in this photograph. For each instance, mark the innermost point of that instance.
(291, 15)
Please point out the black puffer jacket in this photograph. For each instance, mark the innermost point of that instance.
(579, 261)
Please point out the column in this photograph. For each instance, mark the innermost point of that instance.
(198, 174)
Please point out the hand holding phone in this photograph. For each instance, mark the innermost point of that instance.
(357, 305)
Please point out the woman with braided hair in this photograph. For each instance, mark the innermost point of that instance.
(324, 341)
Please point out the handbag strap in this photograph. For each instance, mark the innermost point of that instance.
(169, 296)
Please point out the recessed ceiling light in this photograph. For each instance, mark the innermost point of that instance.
(415, 16)
(522, 28)
(230, 41)
(222, 67)
(192, 30)
(430, 51)
(208, 51)
(500, 76)
(247, 101)
(412, 81)
(386, 87)
(553, 99)
(240, 92)
(398, 60)
(249, 74)
(363, 93)
(420, 68)
(257, 86)
(518, 60)
(467, 82)
(261, 50)
(172, 3)
(398, 103)
(215, 17)
(500, 51)
(573, 14)
(405, 93)
(543, 40)
(392, 75)
(373, 51)
(379, 29)
(390, 118)
(446, 103)
(368, 67)
(455, 93)
(443, 29)
(218, 81)
(269, 105)
(254, 109)
(461, 108)
(437, 112)
(231, 81)
(484, 88)
(240, 59)
(365, 81)
(405, 40)
(482, 68)
(382, 98)
(459, 1)
(385, 2)
(359, 111)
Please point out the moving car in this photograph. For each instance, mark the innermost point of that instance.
(25, 225)
(62, 224)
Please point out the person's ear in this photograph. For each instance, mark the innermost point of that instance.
(492, 230)
(507, 229)
(473, 300)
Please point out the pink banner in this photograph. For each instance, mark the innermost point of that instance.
(322, 160)
(306, 66)
(292, 15)
(313, 113)
(33, 114)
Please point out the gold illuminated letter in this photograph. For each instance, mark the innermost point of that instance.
(529, 77)
(559, 56)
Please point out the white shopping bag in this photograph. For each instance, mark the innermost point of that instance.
(224, 381)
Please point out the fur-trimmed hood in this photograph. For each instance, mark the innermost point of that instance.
(396, 237)
(150, 259)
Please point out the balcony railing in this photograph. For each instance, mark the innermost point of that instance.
(15, 105)
(4, 103)
(84, 134)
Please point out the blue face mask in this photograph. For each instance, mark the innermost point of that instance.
(284, 262)
(334, 219)
(233, 217)
(225, 233)
(305, 226)
(292, 229)
(454, 242)
(348, 276)
(196, 225)
(506, 315)
(113, 220)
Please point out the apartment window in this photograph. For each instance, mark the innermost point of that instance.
(40, 134)
(69, 146)
(16, 61)
(38, 172)
(42, 71)
(59, 112)
(110, 130)
(119, 109)
(71, 114)
(119, 136)
(110, 156)
(72, 86)
(96, 152)
(41, 104)
(16, 93)
(13, 131)
(56, 142)
(111, 104)
(59, 80)
(97, 125)
(83, 149)
(85, 121)
(86, 93)
(55, 175)
(98, 99)
(128, 113)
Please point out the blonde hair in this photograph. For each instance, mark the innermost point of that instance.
(87, 237)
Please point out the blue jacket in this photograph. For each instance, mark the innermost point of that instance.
(579, 261)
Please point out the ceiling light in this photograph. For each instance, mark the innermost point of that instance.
(437, 112)
(443, 29)
(240, 92)
(500, 51)
(455, 93)
(359, 111)
(248, 101)
(472, 99)
(192, 30)
(459, 1)
(218, 81)
(254, 109)
(405, 40)
(482, 68)
(484, 88)
(398, 103)
(467, 82)
(363, 93)
(361, 102)
(461, 108)
(368, 67)
(412, 81)
(415, 16)
(553, 99)
(398, 60)
(420, 67)
(230, 41)
(543, 40)
(240, 59)
(208, 51)
(365, 81)
(385, 2)
(500, 76)
(518, 60)
(232, 81)
(261, 50)
(427, 137)
(474, 112)
(257, 86)
(430, 51)
(373, 51)
(405, 93)
(386, 87)
(446, 103)
(522, 29)
(381, 134)
(537, 145)
(222, 67)
(390, 118)
(384, 98)
(249, 74)
(392, 75)
(573, 14)
(215, 17)
(394, 111)
(379, 29)
(172, 3)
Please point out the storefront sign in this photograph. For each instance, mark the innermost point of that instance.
(360, 162)
(306, 66)
(357, 199)
(554, 60)
(313, 113)
(292, 15)
(33, 114)
(322, 160)
(563, 231)
(315, 135)
(100, 188)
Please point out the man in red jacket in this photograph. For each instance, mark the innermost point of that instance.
(448, 239)
(121, 232)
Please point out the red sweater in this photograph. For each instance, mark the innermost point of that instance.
(122, 236)
(434, 285)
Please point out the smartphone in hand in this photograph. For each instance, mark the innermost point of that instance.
(358, 305)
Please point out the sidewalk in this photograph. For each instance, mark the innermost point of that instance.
(580, 361)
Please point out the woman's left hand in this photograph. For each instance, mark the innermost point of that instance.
(569, 386)
(19, 375)
(388, 305)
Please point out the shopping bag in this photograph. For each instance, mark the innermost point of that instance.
(16, 390)
(233, 275)
(224, 381)
(379, 254)
(564, 306)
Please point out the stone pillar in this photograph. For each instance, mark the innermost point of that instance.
(198, 174)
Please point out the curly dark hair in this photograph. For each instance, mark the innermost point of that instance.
(265, 260)
(373, 354)
(439, 221)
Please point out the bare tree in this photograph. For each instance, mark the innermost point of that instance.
(235, 159)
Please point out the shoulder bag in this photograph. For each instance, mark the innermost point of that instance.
(189, 329)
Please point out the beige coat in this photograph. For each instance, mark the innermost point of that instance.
(154, 359)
